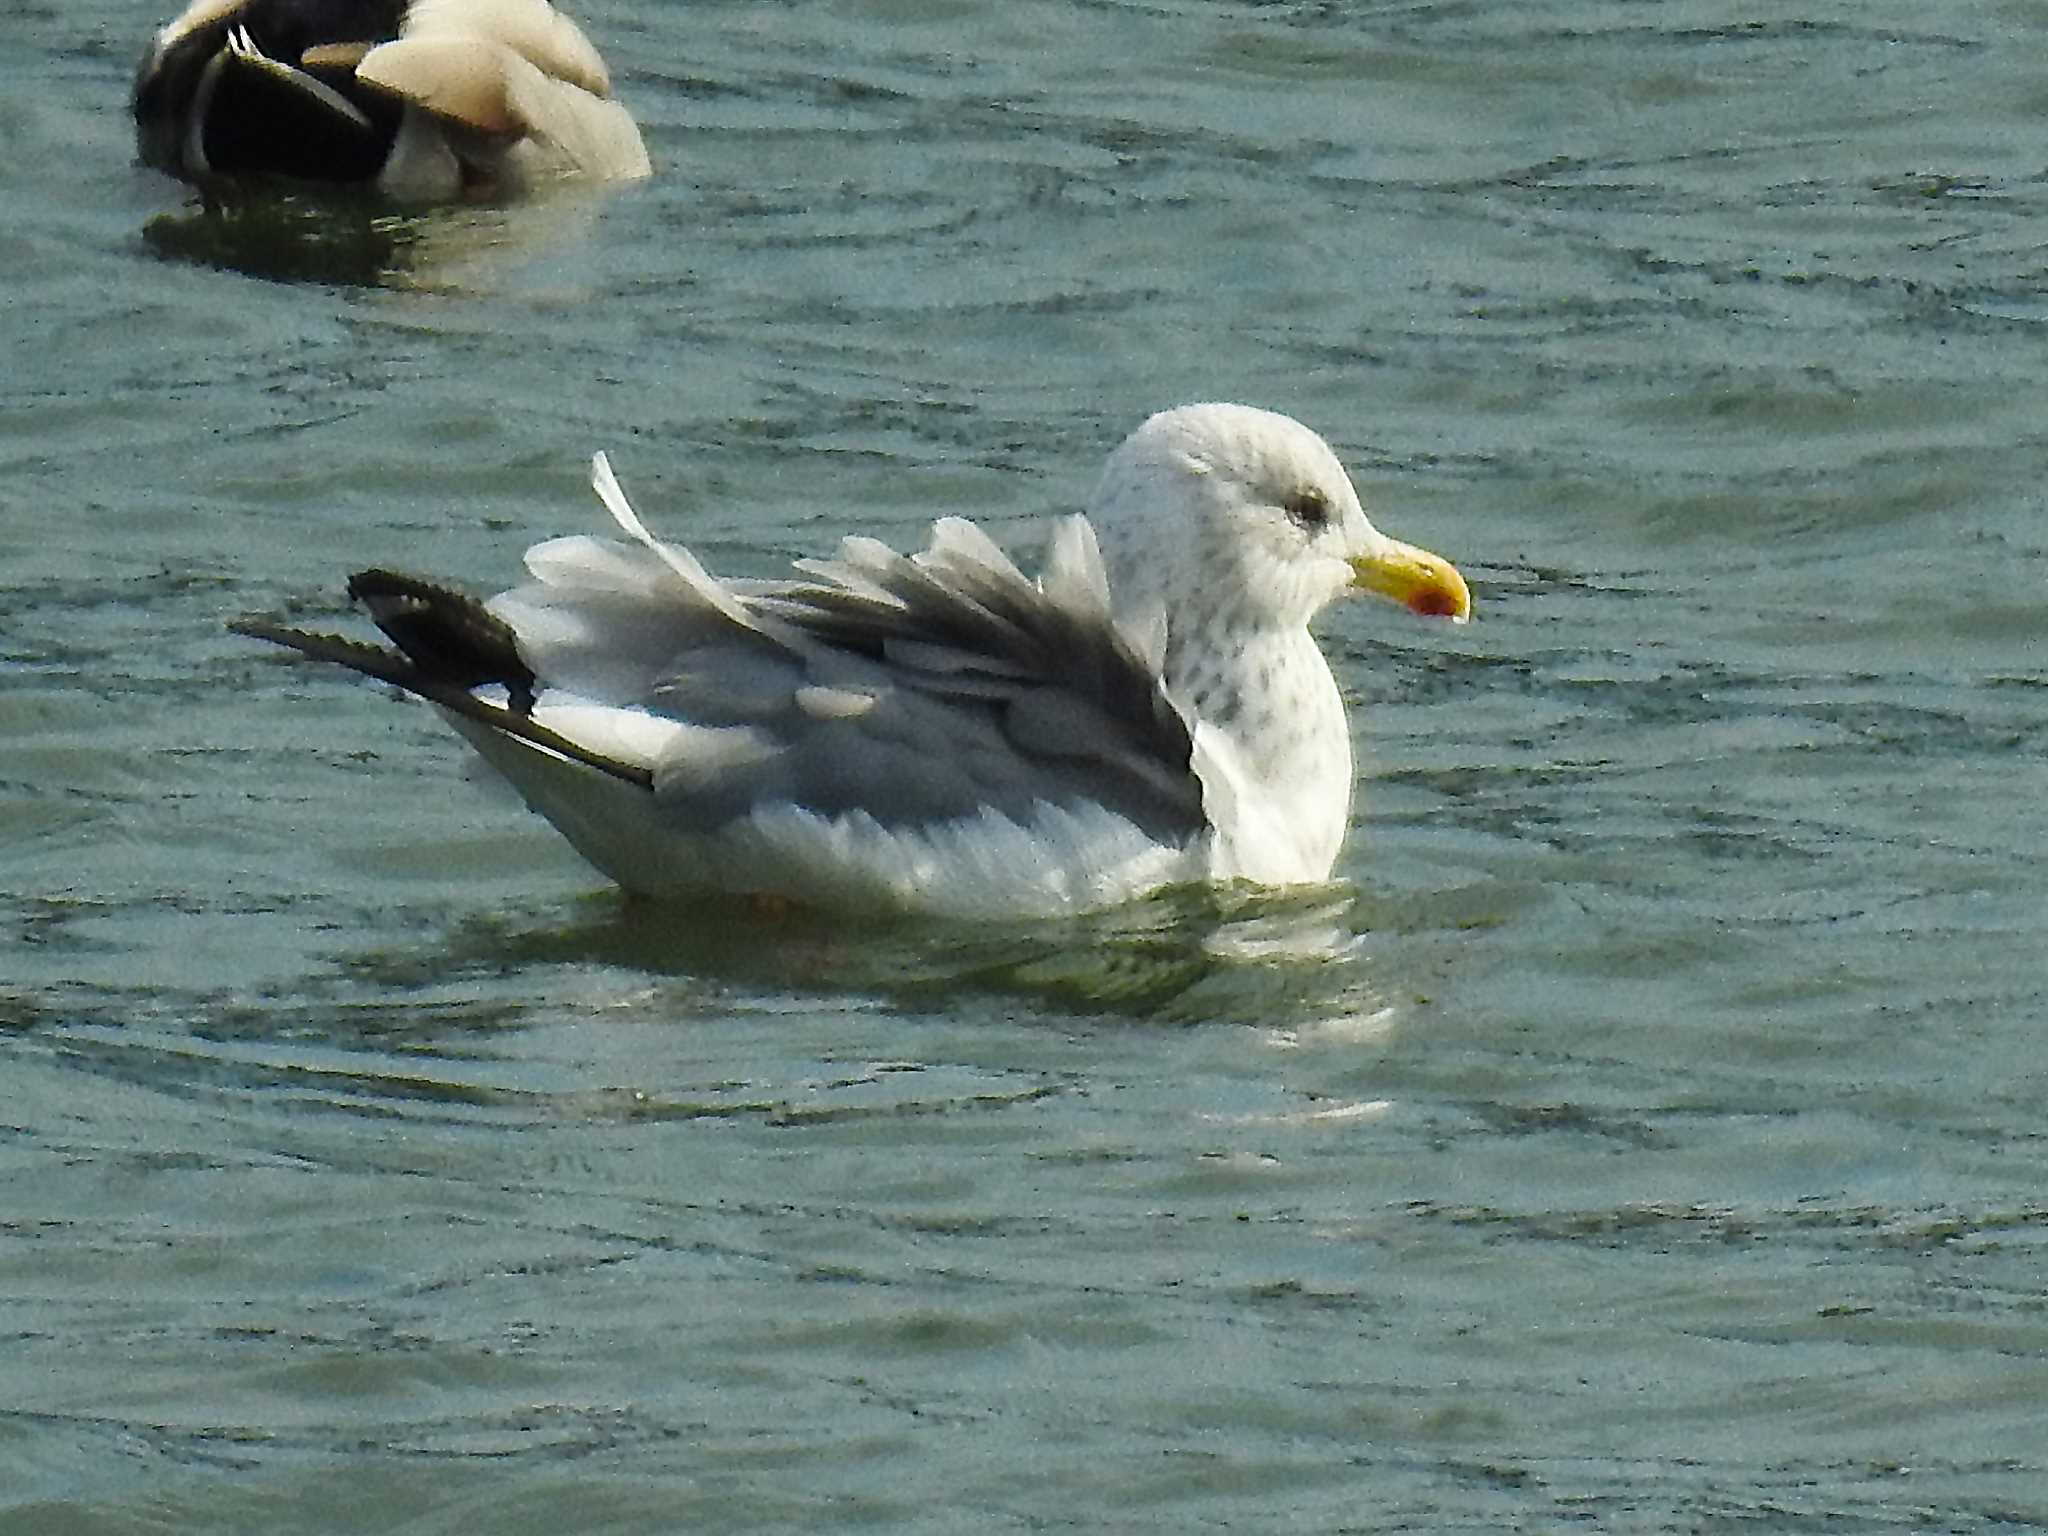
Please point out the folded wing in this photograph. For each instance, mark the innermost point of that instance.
(876, 718)
(907, 689)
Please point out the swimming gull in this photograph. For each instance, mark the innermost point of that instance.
(936, 731)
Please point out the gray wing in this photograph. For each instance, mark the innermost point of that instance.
(910, 689)
(913, 689)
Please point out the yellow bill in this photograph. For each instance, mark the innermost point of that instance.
(1416, 579)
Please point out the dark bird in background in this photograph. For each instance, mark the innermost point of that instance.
(422, 101)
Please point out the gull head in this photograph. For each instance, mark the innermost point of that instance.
(1245, 516)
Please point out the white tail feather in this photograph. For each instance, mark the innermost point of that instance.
(701, 582)
(1073, 575)
(958, 544)
(606, 484)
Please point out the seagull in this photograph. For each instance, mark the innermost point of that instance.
(422, 101)
(935, 732)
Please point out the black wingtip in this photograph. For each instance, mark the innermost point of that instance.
(449, 635)
(405, 672)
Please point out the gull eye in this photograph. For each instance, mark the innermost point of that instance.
(1309, 509)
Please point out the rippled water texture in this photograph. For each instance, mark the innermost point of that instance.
(1645, 1135)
